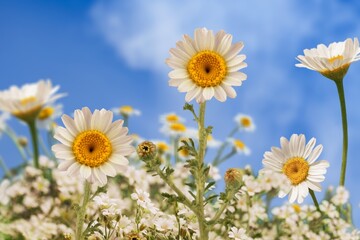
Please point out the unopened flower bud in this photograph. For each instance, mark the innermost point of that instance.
(233, 177)
(23, 141)
(146, 150)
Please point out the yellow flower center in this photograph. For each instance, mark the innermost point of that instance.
(172, 118)
(207, 69)
(178, 127)
(210, 138)
(296, 208)
(163, 147)
(239, 144)
(92, 148)
(296, 169)
(46, 113)
(27, 100)
(126, 109)
(245, 121)
(333, 59)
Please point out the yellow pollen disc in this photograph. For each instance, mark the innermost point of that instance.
(207, 69)
(210, 138)
(296, 208)
(172, 118)
(46, 113)
(178, 127)
(239, 144)
(27, 100)
(92, 148)
(126, 109)
(333, 59)
(296, 169)
(245, 121)
(162, 146)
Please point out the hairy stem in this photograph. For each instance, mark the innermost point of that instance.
(200, 178)
(81, 212)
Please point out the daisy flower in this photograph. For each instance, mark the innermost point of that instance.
(26, 102)
(238, 234)
(47, 116)
(92, 145)
(174, 129)
(297, 161)
(332, 61)
(239, 146)
(245, 122)
(126, 110)
(169, 118)
(207, 66)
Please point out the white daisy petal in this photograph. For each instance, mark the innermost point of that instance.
(207, 66)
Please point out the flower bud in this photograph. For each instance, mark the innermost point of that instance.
(23, 142)
(233, 177)
(146, 150)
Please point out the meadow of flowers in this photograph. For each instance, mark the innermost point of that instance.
(88, 178)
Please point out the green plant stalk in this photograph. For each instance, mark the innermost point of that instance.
(5, 168)
(175, 141)
(14, 138)
(126, 120)
(35, 141)
(216, 160)
(81, 212)
(340, 88)
(225, 204)
(43, 147)
(172, 185)
(200, 178)
(314, 200)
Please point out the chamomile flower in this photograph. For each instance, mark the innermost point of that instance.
(239, 146)
(169, 118)
(127, 111)
(47, 116)
(245, 122)
(207, 66)
(297, 161)
(238, 234)
(92, 145)
(26, 102)
(332, 61)
(174, 129)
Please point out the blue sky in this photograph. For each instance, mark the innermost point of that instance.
(112, 53)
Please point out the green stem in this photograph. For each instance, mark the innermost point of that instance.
(14, 138)
(172, 185)
(227, 156)
(43, 146)
(81, 212)
(200, 179)
(126, 120)
(5, 168)
(223, 146)
(35, 141)
(340, 88)
(314, 200)
(230, 196)
(175, 141)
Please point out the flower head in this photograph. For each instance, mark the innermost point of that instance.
(127, 111)
(296, 160)
(332, 61)
(207, 66)
(169, 118)
(245, 122)
(27, 102)
(92, 145)
(239, 146)
(47, 116)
